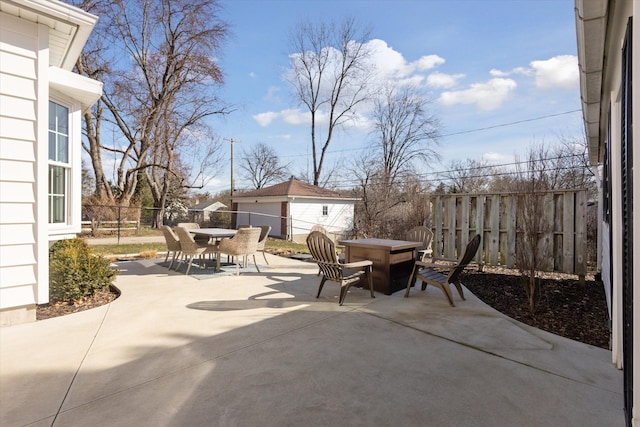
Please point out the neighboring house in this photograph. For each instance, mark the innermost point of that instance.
(41, 105)
(608, 36)
(291, 208)
(202, 211)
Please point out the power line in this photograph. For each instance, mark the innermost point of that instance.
(501, 125)
(511, 123)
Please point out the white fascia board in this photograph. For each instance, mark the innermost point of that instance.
(46, 10)
(82, 88)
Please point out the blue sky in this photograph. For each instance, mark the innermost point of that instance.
(483, 63)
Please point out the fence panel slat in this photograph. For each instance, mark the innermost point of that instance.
(562, 239)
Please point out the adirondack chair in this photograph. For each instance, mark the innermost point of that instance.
(323, 251)
(425, 272)
(421, 234)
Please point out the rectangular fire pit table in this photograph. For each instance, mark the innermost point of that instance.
(392, 260)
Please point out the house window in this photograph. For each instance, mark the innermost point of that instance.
(325, 210)
(59, 165)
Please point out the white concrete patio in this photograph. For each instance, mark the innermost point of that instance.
(261, 350)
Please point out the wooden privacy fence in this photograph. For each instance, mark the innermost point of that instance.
(498, 219)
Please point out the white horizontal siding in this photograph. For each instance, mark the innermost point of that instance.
(17, 150)
(18, 36)
(16, 213)
(17, 86)
(16, 192)
(12, 255)
(306, 214)
(17, 275)
(16, 234)
(13, 128)
(11, 170)
(19, 47)
(18, 65)
(11, 106)
(16, 296)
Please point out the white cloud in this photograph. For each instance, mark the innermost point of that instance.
(392, 65)
(252, 74)
(517, 70)
(486, 96)
(497, 158)
(558, 72)
(298, 117)
(442, 80)
(265, 119)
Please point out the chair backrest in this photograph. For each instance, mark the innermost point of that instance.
(264, 233)
(188, 244)
(319, 228)
(469, 253)
(245, 242)
(189, 225)
(420, 234)
(323, 251)
(172, 240)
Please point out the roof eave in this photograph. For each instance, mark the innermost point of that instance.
(591, 28)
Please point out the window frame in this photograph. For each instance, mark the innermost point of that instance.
(56, 163)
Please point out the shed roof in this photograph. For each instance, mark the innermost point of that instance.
(295, 188)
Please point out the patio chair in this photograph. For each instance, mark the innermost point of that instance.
(323, 251)
(421, 234)
(425, 271)
(191, 226)
(173, 244)
(243, 244)
(339, 248)
(264, 234)
(190, 248)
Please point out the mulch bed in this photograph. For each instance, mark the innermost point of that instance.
(47, 311)
(564, 307)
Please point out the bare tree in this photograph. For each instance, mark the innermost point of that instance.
(405, 130)
(329, 74)
(158, 65)
(262, 166)
(471, 176)
(532, 182)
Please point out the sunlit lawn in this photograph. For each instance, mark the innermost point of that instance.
(150, 249)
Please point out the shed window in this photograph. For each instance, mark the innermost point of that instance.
(325, 210)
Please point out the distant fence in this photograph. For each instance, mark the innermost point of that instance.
(457, 217)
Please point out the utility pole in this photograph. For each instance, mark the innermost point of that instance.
(233, 184)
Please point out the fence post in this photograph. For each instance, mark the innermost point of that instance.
(119, 218)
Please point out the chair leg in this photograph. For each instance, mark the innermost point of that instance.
(189, 266)
(447, 292)
(369, 270)
(172, 259)
(343, 293)
(255, 263)
(412, 280)
(265, 257)
(324, 279)
(167, 257)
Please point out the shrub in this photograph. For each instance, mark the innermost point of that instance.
(75, 272)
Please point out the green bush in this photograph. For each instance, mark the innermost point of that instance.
(75, 272)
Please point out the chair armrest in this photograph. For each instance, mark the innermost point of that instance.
(358, 264)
